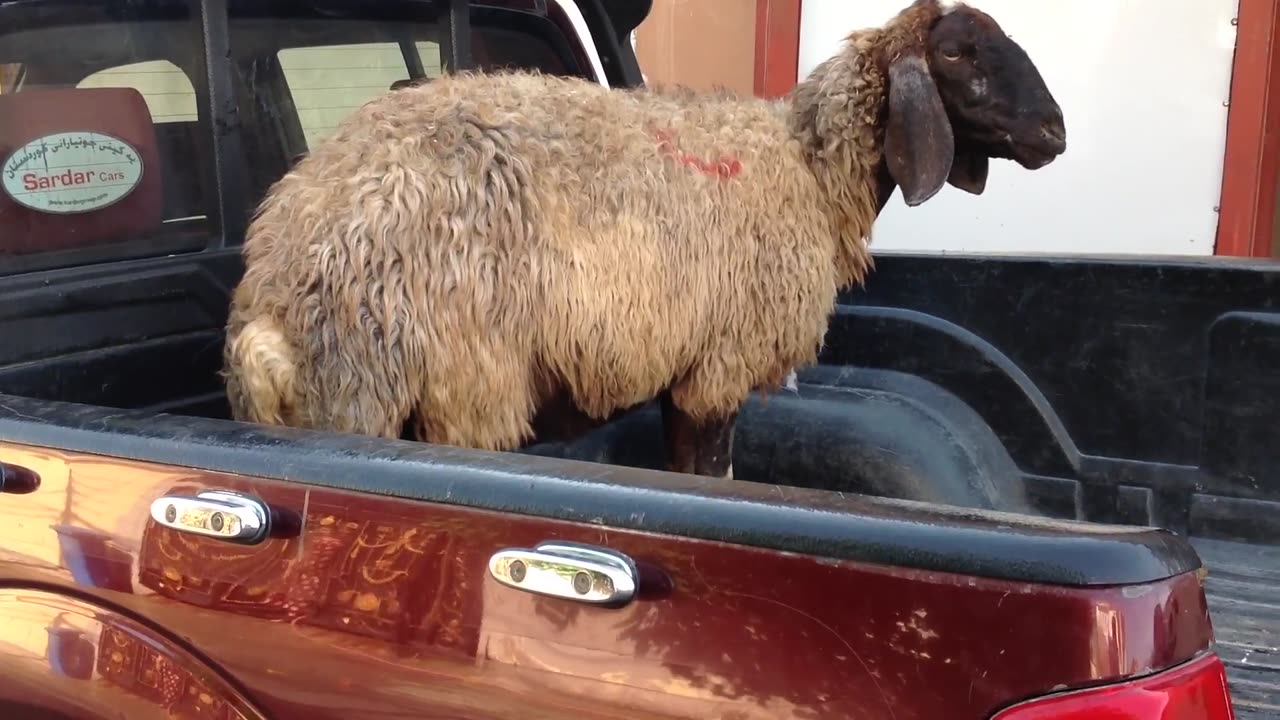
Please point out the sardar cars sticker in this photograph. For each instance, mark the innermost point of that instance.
(71, 172)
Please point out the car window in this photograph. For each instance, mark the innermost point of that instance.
(329, 82)
(106, 141)
(102, 155)
(302, 74)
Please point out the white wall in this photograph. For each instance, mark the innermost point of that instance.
(1143, 85)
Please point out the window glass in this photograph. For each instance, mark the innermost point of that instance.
(105, 140)
(328, 82)
(301, 74)
(102, 154)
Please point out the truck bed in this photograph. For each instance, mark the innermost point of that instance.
(1244, 600)
(148, 336)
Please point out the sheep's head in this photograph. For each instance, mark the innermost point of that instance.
(966, 94)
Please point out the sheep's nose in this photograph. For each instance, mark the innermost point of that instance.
(1054, 132)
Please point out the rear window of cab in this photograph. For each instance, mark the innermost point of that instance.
(105, 129)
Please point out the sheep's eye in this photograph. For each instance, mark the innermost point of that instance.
(951, 54)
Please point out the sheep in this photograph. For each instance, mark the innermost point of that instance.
(491, 258)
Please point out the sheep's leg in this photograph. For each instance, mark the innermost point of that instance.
(697, 447)
(561, 420)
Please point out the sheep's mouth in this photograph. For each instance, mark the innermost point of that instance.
(1031, 152)
(1033, 158)
(1034, 155)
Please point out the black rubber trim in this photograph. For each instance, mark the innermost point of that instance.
(610, 25)
(225, 118)
(826, 524)
(459, 34)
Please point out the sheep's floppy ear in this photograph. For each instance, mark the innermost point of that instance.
(969, 170)
(919, 146)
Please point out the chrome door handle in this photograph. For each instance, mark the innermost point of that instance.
(568, 570)
(18, 480)
(217, 514)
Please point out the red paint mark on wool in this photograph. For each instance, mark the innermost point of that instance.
(724, 167)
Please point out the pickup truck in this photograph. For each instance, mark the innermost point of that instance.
(1012, 489)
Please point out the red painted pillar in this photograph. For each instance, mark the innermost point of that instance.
(777, 46)
(1246, 223)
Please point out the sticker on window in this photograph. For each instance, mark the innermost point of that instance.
(71, 172)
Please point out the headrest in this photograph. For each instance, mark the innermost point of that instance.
(77, 167)
(409, 82)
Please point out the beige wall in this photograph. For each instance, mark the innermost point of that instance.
(699, 43)
(8, 76)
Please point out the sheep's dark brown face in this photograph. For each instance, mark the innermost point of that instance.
(994, 96)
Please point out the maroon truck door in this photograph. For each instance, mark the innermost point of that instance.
(374, 591)
(65, 658)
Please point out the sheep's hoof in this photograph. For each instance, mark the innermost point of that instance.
(698, 448)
